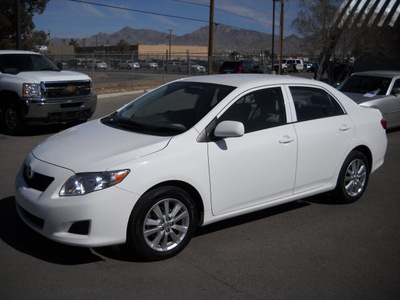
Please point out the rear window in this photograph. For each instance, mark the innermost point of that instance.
(365, 84)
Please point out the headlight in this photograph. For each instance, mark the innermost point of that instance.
(31, 90)
(84, 183)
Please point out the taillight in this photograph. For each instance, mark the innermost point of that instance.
(240, 69)
(383, 123)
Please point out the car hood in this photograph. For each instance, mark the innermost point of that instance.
(361, 98)
(38, 76)
(96, 147)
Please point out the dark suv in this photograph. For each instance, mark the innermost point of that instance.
(239, 66)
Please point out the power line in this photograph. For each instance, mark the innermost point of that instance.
(223, 10)
(193, 3)
(168, 15)
(140, 11)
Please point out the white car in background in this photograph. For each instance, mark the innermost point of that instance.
(378, 89)
(194, 68)
(193, 152)
(96, 64)
(128, 64)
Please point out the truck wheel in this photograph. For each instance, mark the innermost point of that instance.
(11, 119)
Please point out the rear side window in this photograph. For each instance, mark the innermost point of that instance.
(314, 103)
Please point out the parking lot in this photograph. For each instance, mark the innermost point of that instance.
(310, 249)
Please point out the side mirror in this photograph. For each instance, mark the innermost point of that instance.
(229, 129)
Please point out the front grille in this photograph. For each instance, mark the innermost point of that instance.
(37, 181)
(66, 89)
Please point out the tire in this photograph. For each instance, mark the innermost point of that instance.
(11, 119)
(353, 178)
(162, 223)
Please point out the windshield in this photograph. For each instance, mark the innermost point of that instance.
(365, 84)
(169, 110)
(15, 63)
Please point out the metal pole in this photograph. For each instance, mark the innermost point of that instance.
(170, 42)
(210, 37)
(133, 83)
(18, 22)
(273, 38)
(282, 13)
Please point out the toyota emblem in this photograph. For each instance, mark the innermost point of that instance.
(29, 173)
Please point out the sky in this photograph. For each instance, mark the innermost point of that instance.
(72, 19)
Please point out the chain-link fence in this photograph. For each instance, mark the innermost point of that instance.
(127, 72)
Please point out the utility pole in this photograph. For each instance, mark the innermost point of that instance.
(282, 14)
(18, 22)
(170, 39)
(273, 38)
(210, 37)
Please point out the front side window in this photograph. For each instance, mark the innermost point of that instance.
(258, 110)
(314, 103)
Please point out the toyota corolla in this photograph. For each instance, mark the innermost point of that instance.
(197, 151)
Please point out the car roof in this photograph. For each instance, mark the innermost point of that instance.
(379, 73)
(17, 52)
(251, 80)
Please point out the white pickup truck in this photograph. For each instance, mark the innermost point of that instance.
(34, 91)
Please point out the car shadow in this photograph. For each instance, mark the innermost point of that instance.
(20, 237)
(251, 217)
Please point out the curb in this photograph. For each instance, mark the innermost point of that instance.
(120, 94)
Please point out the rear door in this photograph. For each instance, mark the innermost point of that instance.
(324, 133)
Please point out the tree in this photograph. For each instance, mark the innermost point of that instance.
(74, 43)
(342, 36)
(8, 21)
(123, 46)
(313, 21)
(234, 55)
(35, 40)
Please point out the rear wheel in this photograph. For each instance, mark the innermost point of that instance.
(353, 178)
(162, 223)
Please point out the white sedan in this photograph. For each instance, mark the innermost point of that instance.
(378, 89)
(193, 152)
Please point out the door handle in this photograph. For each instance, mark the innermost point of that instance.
(286, 139)
(344, 127)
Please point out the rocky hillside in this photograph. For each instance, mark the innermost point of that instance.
(226, 39)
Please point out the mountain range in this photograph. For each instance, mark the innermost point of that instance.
(226, 39)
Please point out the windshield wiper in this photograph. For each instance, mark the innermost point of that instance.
(122, 123)
(49, 69)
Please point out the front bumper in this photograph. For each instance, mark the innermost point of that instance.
(93, 220)
(58, 110)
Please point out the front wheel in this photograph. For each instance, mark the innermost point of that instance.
(11, 118)
(353, 178)
(162, 223)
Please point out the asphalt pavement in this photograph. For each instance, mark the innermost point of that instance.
(310, 249)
